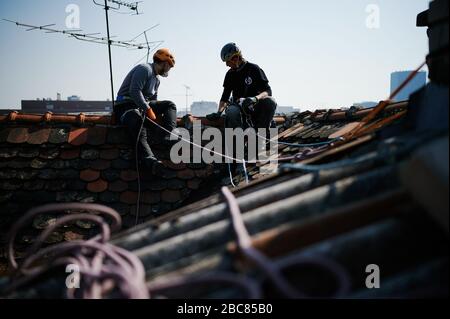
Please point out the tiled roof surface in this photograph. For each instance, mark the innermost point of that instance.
(375, 200)
(48, 163)
(357, 216)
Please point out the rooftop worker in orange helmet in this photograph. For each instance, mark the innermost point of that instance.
(249, 85)
(138, 97)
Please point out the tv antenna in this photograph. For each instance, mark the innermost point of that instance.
(88, 37)
(150, 45)
(95, 38)
(131, 6)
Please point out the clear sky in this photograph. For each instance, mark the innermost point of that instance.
(315, 53)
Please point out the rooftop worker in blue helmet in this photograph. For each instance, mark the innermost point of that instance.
(137, 100)
(248, 84)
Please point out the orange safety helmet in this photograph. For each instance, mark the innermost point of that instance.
(164, 55)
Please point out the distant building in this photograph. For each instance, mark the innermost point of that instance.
(366, 105)
(7, 111)
(203, 108)
(397, 78)
(74, 98)
(67, 106)
(286, 110)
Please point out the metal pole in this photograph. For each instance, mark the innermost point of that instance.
(109, 51)
(187, 90)
(187, 96)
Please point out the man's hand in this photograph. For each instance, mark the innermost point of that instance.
(248, 104)
(214, 117)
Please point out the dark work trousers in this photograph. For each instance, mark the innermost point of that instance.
(261, 118)
(133, 118)
(167, 110)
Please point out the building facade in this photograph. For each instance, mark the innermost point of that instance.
(203, 108)
(397, 78)
(66, 106)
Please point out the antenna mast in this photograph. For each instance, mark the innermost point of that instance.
(131, 6)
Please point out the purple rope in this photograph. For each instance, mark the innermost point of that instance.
(105, 268)
(102, 266)
(274, 271)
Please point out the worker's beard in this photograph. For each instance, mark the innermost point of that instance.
(165, 72)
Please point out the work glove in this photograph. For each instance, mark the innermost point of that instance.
(214, 117)
(150, 114)
(248, 105)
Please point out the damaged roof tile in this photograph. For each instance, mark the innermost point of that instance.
(59, 135)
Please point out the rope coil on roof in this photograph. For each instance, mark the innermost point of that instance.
(103, 267)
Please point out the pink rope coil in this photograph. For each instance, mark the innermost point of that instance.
(273, 270)
(104, 268)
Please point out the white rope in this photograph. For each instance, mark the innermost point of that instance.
(231, 175)
(245, 172)
(209, 150)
